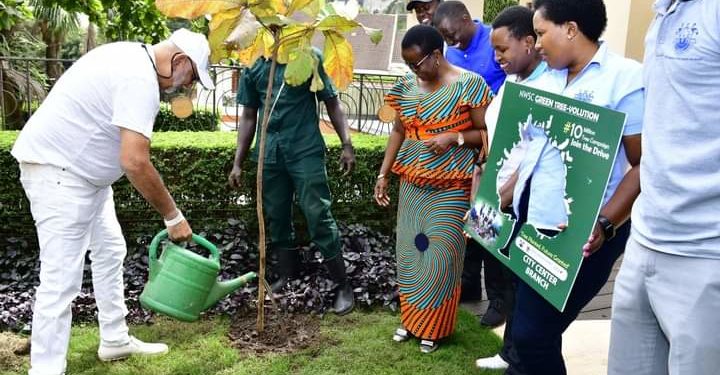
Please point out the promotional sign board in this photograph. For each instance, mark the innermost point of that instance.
(543, 186)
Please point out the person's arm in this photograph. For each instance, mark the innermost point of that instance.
(506, 191)
(617, 210)
(473, 138)
(397, 137)
(246, 133)
(135, 162)
(339, 123)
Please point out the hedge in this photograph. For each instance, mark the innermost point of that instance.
(194, 166)
(199, 120)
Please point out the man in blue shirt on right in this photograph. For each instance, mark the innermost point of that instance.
(469, 47)
(666, 301)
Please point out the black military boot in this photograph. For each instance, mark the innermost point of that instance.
(286, 268)
(344, 298)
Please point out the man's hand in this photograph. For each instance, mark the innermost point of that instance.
(180, 232)
(441, 143)
(235, 177)
(347, 159)
(594, 242)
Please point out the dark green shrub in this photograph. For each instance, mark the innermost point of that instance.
(194, 167)
(493, 7)
(199, 121)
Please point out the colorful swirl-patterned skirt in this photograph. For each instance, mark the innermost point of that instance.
(430, 250)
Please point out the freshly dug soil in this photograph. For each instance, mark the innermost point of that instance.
(12, 351)
(283, 333)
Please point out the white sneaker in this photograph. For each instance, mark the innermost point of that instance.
(134, 346)
(494, 363)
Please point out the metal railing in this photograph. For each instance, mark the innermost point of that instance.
(22, 93)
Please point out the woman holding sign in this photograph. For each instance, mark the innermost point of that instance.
(439, 119)
(513, 39)
(582, 68)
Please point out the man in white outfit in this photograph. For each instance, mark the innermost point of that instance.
(95, 126)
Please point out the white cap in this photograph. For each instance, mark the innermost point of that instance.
(196, 47)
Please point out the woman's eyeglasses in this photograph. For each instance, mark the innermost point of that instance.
(416, 66)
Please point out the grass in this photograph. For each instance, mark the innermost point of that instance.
(357, 344)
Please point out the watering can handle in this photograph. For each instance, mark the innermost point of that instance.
(214, 254)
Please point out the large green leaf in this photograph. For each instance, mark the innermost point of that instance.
(300, 67)
(220, 26)
(262, 46)
(336, 22)
(375, 35)
(296, 5)
(291, 38)
(338, 59)
(317, 83)
(190, 9)
(267, 8)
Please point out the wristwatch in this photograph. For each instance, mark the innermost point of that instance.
(607, 227)
(461, 139)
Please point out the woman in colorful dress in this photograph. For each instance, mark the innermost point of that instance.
(438, 129)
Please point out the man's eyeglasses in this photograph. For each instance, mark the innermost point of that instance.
(195, 76)
(416, 66)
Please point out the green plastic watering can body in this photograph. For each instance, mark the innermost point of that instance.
(182, 283)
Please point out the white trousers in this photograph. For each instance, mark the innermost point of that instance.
(665, 315)
(72, 216)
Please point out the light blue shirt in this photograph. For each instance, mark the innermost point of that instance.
(610, 81)
(678, 210)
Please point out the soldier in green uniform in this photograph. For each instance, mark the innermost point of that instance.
(295, 168)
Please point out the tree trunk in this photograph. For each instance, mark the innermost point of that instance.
(90, 38)
(53, 42)
(259, 204)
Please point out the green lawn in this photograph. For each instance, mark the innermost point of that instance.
(361, 344)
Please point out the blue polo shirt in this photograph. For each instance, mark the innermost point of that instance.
(678, 210)
(609, 80)
(479, 57)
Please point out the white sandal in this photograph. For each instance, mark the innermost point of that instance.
(400, 335)
(428, 346)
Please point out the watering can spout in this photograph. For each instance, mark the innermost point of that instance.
(223, 288)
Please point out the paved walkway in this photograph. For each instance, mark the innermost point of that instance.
(586, 342)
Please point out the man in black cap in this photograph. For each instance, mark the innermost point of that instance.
(424, 9)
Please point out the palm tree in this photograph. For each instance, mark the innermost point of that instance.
(54, 23)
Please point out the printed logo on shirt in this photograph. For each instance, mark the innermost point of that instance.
(685, 36)
(586, 96)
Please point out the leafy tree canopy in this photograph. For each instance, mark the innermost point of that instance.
(121, 19)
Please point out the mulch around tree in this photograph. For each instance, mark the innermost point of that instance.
(12, 350)
(283, 332)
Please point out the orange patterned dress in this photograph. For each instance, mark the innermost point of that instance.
(434, 192)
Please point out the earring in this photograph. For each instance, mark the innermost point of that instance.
(528, 51)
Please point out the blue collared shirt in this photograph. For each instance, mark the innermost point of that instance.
(609, 80)
(677, 210)
(479, 57)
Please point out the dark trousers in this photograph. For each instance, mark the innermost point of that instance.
(305, 181)
(537, 326)
(496, 276)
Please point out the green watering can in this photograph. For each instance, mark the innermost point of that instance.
(182, 283)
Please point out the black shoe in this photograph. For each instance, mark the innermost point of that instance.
(470, 293)
(495, 314)
(286, 268)
(344, 297)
